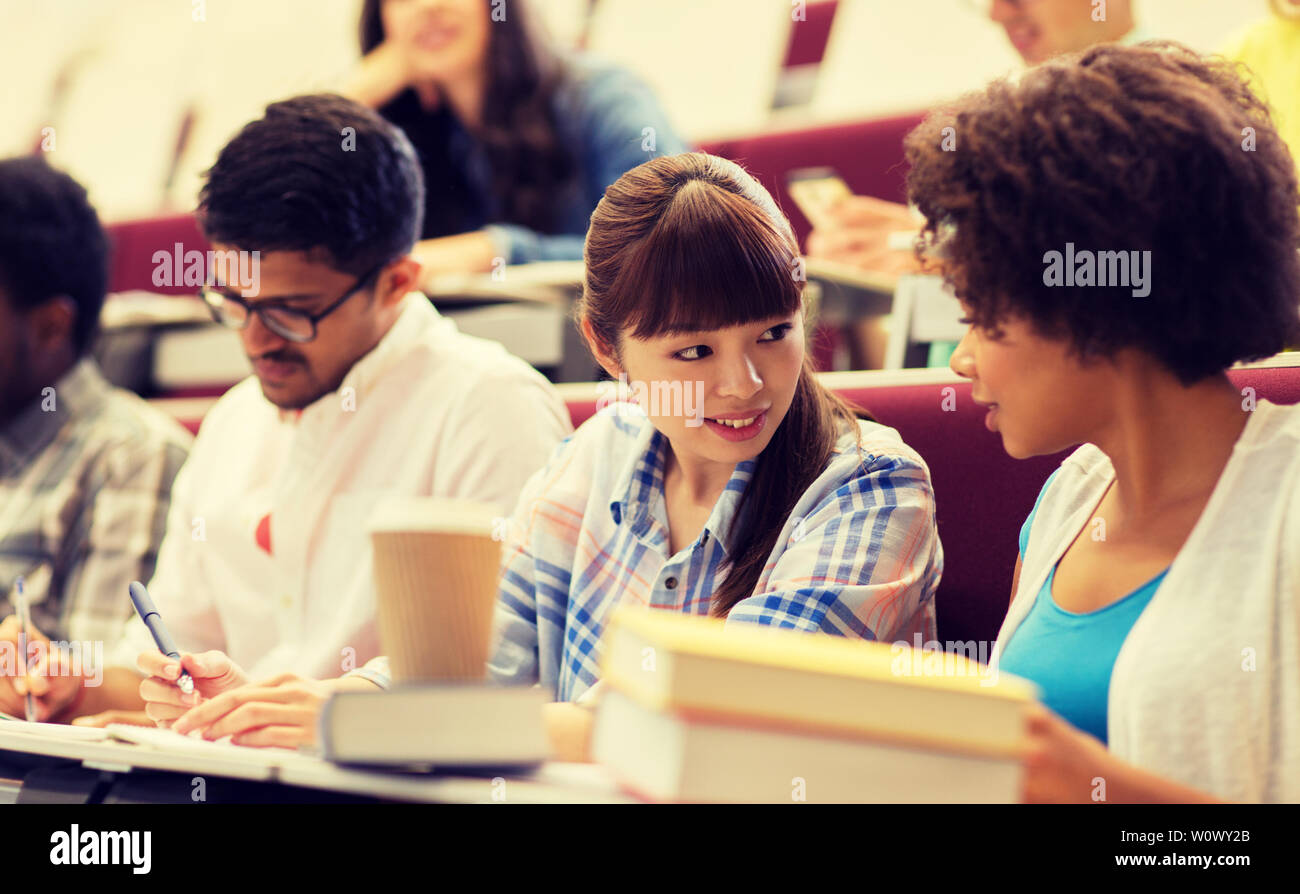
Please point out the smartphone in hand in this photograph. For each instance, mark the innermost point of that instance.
(815, 191)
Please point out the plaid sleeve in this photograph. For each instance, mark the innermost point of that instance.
(375, 670)
(180, 588)
(865, 561)
(513, 658)
(115, 539)
(533, 586)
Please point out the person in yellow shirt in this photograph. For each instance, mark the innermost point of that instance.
(1271, 50)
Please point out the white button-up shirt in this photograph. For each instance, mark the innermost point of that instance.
(429, 412)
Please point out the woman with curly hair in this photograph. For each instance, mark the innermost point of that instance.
(1121, 227)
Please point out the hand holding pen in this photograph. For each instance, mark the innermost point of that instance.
(43, 682)
(25, 625)
(149, 615)
(177, 681)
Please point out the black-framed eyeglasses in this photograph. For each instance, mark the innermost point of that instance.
(289, 323)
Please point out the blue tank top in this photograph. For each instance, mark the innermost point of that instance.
(1071, 655)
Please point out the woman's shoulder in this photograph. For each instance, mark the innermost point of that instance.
(591, 87)
(1273, 427)
(616, 428)
(874, 445)
(1082, 477)
(1265, 467)
(598, 449)
(872, 457)
(588, 69)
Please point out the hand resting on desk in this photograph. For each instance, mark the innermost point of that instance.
(281, 711)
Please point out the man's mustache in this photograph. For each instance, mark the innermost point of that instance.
(281, 356)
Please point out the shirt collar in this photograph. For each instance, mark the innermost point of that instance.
(82, 389)
(639, 488)
(412, 323)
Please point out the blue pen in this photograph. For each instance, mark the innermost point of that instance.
(149, 614)
(24, 621)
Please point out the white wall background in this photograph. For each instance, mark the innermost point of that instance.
(888, 56)
(135, 66)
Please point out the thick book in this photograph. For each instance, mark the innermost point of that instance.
(436, 725)
(661, 755)
(699, 666)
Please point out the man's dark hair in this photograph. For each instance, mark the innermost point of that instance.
(51, 243)
(321, 173)
(1119, 148)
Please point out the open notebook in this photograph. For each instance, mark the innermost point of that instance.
(58, 730)
(120, 747)
(435, 563)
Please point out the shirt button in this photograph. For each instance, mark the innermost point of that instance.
(671, 583)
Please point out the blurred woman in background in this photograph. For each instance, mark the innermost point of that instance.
(517, 141)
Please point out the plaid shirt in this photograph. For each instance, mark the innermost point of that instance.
(85, 477)
(859, 554)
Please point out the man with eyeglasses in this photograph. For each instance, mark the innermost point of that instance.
(361, 391)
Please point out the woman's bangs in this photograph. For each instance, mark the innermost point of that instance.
(711, 262)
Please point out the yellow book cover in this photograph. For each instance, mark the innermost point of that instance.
(701, 668)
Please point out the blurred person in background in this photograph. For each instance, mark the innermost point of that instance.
(860, 227)
(1041, 29)
(1271, 50)
(86, 469)
(517, 142)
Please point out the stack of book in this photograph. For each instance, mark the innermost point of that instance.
(695, 712)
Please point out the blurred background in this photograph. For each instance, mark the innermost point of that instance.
(142, 96)
(136, 97)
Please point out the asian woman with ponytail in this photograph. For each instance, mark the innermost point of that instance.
(769, 501)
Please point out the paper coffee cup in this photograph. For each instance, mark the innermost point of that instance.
(436, 567)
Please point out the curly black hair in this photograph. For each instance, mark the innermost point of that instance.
(1118, 148)
(51, 243)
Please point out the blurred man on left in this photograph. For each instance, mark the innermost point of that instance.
(85, 469)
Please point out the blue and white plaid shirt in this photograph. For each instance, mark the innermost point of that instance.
(858, 556)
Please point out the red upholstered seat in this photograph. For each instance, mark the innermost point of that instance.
(867, 154)
(134, 243)
(981, 495)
